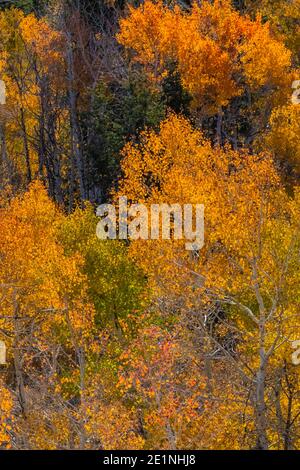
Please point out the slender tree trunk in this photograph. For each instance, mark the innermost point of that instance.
(26, 146)
(218, 140)
(74, 126)
(80, 354)
(6, 165)
(21, 394)
(261, 419)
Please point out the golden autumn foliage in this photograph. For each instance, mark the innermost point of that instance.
(30, 52)
(284, 20)
(283, 138)
(142, 343)
(6, 405)
(218, 52)
(249, 263)
(48, 311)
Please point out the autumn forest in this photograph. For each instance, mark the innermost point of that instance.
(134, 343)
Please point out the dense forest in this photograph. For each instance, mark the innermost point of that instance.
(141, 344)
